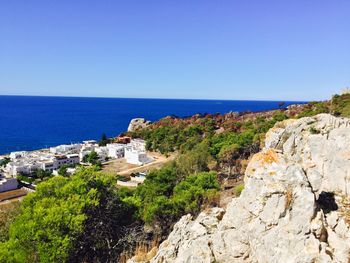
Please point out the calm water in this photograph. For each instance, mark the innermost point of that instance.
(28, 123)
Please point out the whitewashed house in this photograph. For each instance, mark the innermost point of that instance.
(8, 184)
(90, 143)
(135, 157)
(116, 150)
(21, 167)
(66, 148)
(68, 159)
(102, 152)
(49, 165)
(17, 155)
(135, 152)
(138, 145)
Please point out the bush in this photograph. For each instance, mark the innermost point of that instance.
(166, 195)
(238, 189)
(8, 213)
(4, 162)
(195, 190)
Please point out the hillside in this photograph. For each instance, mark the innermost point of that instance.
(294, 208)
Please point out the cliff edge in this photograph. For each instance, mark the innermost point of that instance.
(137, 124)
(295, 206)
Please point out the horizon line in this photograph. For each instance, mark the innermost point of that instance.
(152, 98)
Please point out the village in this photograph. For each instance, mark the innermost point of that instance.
(126, 156)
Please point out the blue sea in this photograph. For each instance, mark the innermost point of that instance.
(29, 123)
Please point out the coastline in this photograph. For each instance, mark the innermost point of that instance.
(42, 122)
(242, 114)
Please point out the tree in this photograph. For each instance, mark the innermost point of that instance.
(104, 140)
(191, 193)
(5, 161)
(63, 170)
(77, 219)
(228, 156)
(25, 178)
(41, 174)
(194, 161)
(91, 158)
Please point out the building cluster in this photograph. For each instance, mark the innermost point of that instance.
(28, 162)
(52, 159)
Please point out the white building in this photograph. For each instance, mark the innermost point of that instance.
(135, 157)
(102, 152)
(66, 149)
(49, 165)
(87, 148)
(17, 155)
(138, 145)
(135, 152)
(8, 184)
(39, 160)
(21, 167)
(73, 159)
(68, 159)
(116, 150)
(90, 142)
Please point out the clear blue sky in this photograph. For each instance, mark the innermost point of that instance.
(214, 49)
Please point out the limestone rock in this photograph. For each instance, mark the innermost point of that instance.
(290, 209)
(138, 123)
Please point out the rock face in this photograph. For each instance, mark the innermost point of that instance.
(294, 208)
(137, 123)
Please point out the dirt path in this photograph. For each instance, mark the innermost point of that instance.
(120, 166)
(13, 195)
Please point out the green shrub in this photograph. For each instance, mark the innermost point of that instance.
(238, 189)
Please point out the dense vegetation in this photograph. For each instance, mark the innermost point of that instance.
(68, 219)
(230, 137)
(35, 177)
(237, 141)
(170, 192)
(339, 105)
(8, 213)
(85, 218)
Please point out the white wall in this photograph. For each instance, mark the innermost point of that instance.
(7, 184)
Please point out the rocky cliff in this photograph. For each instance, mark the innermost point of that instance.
(295, 206)
(138, 123)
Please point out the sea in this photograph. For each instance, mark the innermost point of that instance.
(36, 122)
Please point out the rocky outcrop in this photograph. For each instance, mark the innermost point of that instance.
(138, 123)
(294, 208)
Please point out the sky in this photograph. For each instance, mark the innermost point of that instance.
(205, 49)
